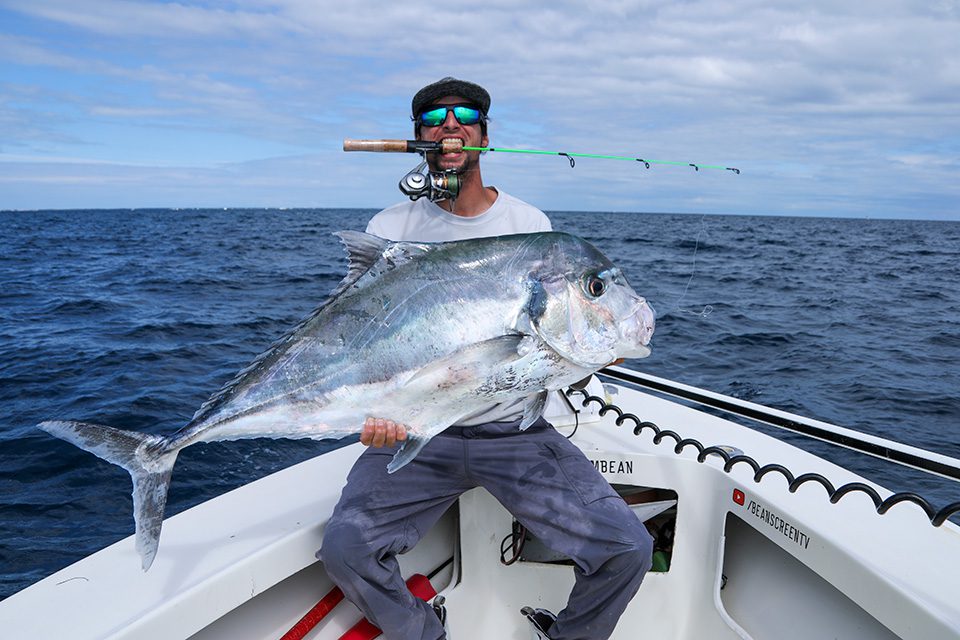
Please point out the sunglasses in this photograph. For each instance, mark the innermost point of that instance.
(436, 116)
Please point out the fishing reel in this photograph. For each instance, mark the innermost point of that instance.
(420, 182)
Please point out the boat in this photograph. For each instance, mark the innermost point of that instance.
(755, 539)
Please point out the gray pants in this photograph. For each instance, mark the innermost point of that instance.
(538, 475)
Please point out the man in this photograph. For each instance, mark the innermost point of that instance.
(538, 475)
(477, 211)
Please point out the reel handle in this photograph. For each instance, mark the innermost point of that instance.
(402, 146)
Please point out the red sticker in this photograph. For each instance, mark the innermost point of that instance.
(738, 497)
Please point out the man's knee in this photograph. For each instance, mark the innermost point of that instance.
(344, 546)
(637, 554)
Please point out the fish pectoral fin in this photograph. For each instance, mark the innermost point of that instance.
(464, 371)
(533, 409)
(408, 451)
(467, 365)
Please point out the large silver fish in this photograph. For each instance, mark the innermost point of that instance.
(423, 334)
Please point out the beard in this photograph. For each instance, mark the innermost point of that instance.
(436, 164)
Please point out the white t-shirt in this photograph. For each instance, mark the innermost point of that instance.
(424, 221)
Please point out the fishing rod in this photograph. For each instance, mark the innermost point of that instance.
(421, 182)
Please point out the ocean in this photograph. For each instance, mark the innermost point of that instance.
(132, 318)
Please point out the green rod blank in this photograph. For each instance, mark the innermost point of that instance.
(570, 156)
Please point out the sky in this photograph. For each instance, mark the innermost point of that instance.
(828, 107)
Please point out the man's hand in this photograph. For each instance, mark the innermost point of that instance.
(378, 432)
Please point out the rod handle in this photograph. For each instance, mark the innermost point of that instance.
(403, 146)
(399, 146)
(451, 146)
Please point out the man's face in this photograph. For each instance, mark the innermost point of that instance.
(470, 135)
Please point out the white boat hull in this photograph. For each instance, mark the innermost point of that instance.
(749, 560)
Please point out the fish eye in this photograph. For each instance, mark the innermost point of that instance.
(595, 285)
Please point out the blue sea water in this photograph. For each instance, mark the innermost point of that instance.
(133, 318)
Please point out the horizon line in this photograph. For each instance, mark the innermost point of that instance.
(548, 211)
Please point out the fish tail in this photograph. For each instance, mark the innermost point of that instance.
(145, 457)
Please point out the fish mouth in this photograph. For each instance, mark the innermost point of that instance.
(648, 322)
(640, 324)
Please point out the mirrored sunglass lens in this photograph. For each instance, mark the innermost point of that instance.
(434, 117)
(466, 115)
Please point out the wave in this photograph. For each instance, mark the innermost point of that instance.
(83, 307)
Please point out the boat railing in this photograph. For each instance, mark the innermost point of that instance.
(899, 453)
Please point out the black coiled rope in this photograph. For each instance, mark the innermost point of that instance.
(937, 518)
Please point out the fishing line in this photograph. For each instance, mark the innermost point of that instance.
(707, 309)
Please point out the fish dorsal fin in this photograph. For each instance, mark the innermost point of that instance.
(363, 251)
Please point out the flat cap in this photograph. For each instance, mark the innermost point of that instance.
(448, 86)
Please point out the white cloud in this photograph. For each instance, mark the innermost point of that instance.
(836, 89)
(125, 18)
